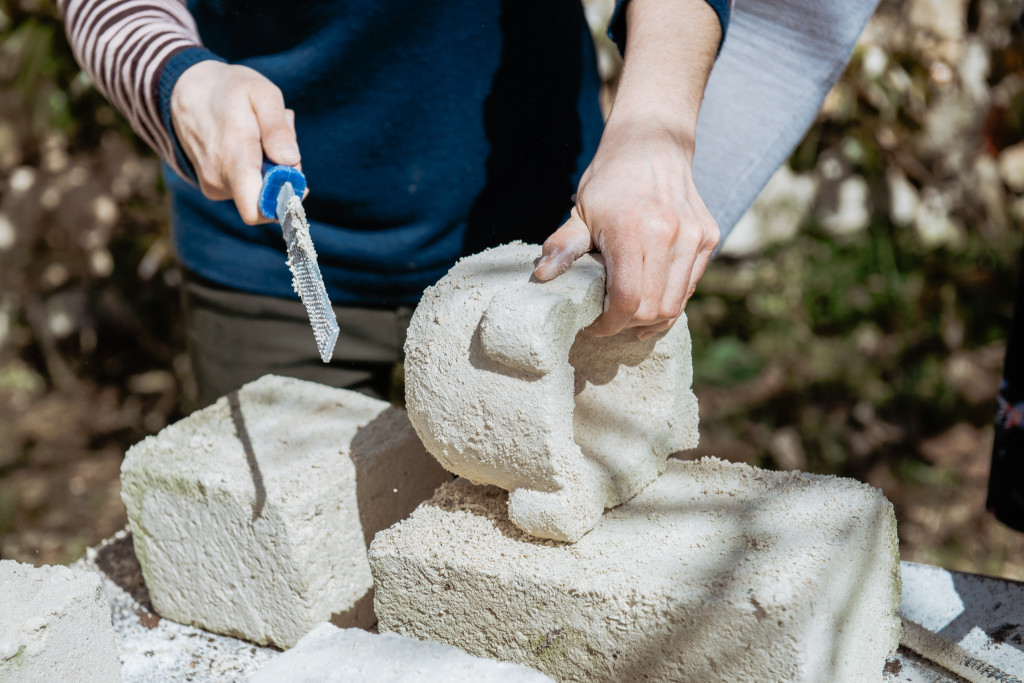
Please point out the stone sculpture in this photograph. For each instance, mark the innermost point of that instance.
(505, 387)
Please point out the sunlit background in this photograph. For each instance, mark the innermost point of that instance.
(855, 323)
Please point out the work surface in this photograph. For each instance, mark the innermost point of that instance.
(984, 615)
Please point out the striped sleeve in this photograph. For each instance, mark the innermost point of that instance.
(134, 50)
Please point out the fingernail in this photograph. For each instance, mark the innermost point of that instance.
(290, 151)
(538, 270)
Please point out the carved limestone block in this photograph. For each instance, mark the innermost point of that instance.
(505, 388)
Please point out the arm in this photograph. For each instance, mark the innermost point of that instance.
(209, 120)
(126, 47)
(637, 203)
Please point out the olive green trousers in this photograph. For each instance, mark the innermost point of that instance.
(236, 337)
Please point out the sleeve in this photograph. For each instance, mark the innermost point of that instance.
(617, 25)
(134, 51)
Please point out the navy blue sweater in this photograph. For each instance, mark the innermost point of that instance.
(428, 131)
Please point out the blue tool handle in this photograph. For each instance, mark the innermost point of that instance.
(274, 178)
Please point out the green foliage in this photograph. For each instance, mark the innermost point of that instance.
(726, 362)
(88, 303)
(874, 336)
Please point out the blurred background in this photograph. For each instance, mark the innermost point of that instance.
(855, 323)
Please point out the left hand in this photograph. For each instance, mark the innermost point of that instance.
(637, 204)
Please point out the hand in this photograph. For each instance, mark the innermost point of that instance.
(637, 204)
(227, 118)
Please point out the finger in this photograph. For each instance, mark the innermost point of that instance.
(624, 270)
(245, 179)
(290, 113)
(676, 288)
(648, 331)
(700, 265)
(656, 274)
(563, 247)
(277, 132)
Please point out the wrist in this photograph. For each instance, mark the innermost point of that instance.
(644, 125)
(171, 73)
(671, 49)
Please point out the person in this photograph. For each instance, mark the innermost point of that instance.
(1005, 499)
(1005, 496)
(426, 133)
(430, 132)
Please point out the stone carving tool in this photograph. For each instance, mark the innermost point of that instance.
(281, 200)
(970, 625)
(950, 655)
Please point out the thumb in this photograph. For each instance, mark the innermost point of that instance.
(563, 247)
(277, 132)
(290, 115)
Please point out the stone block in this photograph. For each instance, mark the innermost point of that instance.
(505, 389)
(715, 572)
(328, 654)
(252, 517)
(155, 650)
(54, 626)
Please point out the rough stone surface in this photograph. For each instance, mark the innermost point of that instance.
(328, 654)
(715, 572)
(252, 517)
(505, 389)
(54, 626)
(972, 625)
(155, 650)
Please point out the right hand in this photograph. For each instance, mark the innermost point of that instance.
(227, 119)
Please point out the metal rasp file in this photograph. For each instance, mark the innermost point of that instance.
(281, 200)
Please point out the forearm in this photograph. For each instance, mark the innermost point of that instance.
(637, 202)
(670, 48)
(125, 46)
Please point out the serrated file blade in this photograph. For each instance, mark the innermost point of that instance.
(306, 278)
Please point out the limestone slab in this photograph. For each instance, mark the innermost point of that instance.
(328, 654)
(505, 389)
(54, 626)
(715, 572)
(972, 625)
(252, 517)
(155, 650)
